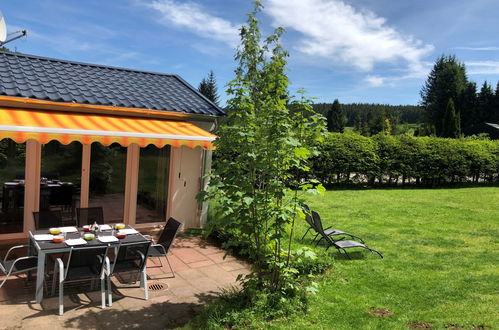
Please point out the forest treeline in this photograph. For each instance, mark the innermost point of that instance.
(399, 114)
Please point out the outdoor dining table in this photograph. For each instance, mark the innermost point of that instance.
(43, 248)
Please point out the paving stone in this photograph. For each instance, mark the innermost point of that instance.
(177, 264)
(232, 265)
(199, 264)
(220, 257)
(188, 255)
(208, 249)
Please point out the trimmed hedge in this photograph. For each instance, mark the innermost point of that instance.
(385, 159)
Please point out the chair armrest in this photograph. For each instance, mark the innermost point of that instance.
(62, 274)
(19, 259)
(106, 270)
(160, 246)
(11, 249)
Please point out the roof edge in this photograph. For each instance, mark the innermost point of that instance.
(36, 104)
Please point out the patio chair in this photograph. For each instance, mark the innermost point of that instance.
(316, 220)
(47, 219)
(89, 215)
(17, 266)
(162, 246)
(129, 257)
(83, 264)
(340, 244)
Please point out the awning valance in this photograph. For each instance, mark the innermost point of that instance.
(22, 124)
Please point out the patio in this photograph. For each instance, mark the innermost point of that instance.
(201, 271)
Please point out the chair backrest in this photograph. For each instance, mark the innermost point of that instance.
(47, 219)
(169, 232)
(131, 256)
(308, 215)
(85, 261)
(318, 222)
(89, 215)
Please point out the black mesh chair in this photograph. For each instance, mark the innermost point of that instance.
(89, 215)
(47, 219)
(340, 245)
(162, 246)
(16, 266)
(129, 257)
(328, 231)
(83, 264)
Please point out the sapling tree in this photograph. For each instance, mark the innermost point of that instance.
(268, 135)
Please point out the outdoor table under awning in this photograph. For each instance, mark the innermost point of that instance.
(66, 127)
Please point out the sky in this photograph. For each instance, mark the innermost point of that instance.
(372, 51)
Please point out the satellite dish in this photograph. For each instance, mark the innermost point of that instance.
(3, 28)
(3, 32)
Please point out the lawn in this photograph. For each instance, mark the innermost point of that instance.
(441, 249)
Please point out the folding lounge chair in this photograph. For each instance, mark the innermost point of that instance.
(316, 220)
(340, 245)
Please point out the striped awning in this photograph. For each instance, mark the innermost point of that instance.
(43, 126)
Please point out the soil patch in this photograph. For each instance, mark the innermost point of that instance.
(419, 325)
(380, 312)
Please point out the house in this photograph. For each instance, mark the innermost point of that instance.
(484, 128)
(77, 135)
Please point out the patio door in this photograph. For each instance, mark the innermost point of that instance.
(186, 185)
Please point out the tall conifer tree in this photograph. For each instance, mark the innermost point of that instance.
(451, 127)
(336, 118)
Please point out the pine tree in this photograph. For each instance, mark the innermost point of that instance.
(451, 127)
(336, 118)
(468, 100)
(208, 87)
(447, 80)
(485, 104)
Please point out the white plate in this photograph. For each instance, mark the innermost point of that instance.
(107, 239)
(128, 231)
(105, 227)
(43, 237)
(68, 229)
(76, 241)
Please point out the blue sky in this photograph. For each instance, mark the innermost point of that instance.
(376, 51)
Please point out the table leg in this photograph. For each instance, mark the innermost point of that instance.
(40, 274)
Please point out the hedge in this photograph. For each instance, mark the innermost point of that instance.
(384, 159)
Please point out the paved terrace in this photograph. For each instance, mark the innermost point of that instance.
(201, 272)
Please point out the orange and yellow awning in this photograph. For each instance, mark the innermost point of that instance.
(43, 126)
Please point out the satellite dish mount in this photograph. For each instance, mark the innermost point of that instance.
(3, 32)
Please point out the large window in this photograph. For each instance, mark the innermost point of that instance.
(12, 163)
(107, 180)
(152, 192)
(60, 178)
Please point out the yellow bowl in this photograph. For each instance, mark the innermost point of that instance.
(120, 226)
(88, 237)
(55, 231)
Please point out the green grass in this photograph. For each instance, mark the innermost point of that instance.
(441, 265)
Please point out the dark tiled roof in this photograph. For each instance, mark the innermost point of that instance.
(55, 80)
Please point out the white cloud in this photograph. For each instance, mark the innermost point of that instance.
(482, 67)
(375, 81)
(336, 31)
(194, 17)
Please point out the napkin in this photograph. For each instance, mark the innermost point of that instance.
(127, 231)
(107, 239)
(76, 241)
(43, 237)
(69, 229)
